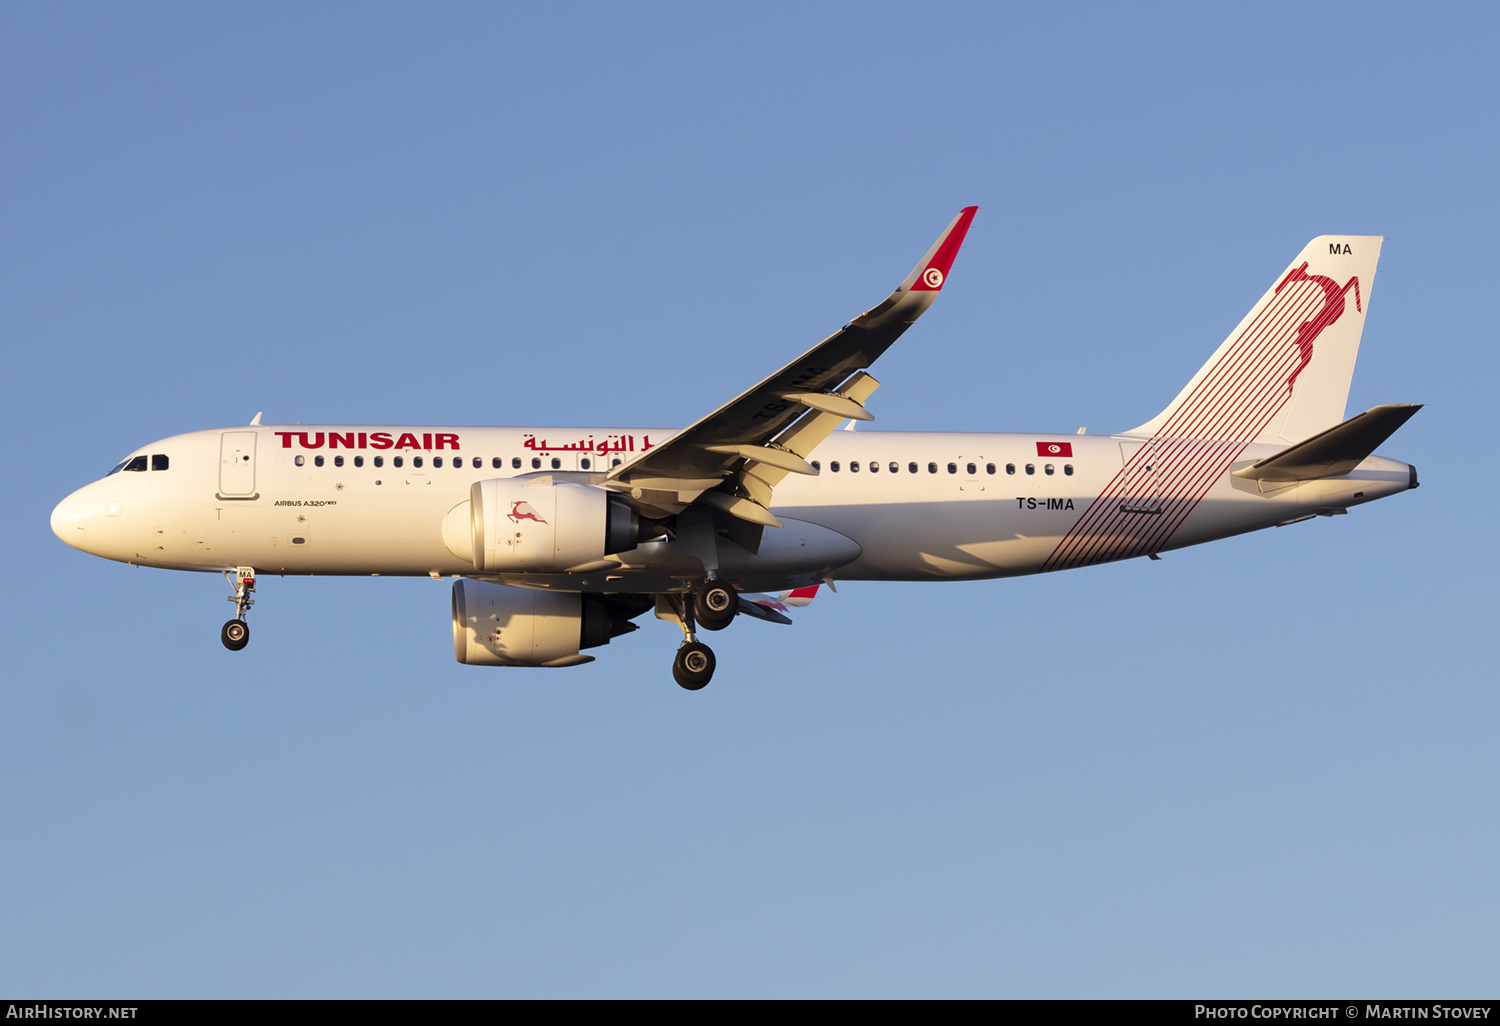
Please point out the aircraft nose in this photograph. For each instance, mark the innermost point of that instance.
(68, 520)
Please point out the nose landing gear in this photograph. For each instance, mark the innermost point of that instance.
(236, 633)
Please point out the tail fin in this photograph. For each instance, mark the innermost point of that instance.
(1283, 374)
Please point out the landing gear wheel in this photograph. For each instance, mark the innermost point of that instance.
(694, 665)
(715, 606)
(235, 635)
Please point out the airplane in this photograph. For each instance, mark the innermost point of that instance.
(559, 538)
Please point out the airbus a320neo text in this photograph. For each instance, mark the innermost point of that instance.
(560, 538)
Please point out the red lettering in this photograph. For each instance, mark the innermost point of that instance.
(380, 440)
(362, 440)
(447, 441)
(336, 440)
(427, 441)
(407, 441)
(316, 443)
(286, 438)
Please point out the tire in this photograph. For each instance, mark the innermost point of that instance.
(235, 635)
(715, 606)
(694, 666)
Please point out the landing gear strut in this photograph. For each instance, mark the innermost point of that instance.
(694, 665)
(236, 633)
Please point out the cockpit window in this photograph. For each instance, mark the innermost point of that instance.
(118, 467)
(158, 462)
(138, 463)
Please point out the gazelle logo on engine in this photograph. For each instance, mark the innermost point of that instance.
(933, 277)
(521, 510)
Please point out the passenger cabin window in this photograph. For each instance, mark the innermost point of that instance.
(318, 461)
(1049, 469)
(1068, 469)
(515, 463)
(158, 462)
(953, 468)
(989, 468)
(853, 467)
(299, 460)
(1030, 468)
(932, 468)
(359, 461)
(874, 467)
(556, 463)
(834, 466)
(437, 461)
(338, 461)
(972, 470)
(617, 462)
(379, 461)
(911, 468)
(136, 464)
(416, 461)
(479, 462)
(585, 464)
(895, 467)
(816, 465)
(536, 463)
(396, 461)
(1010, 468)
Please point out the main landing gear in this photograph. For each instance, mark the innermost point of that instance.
(236, 633)
(694, 666)
(713, 608)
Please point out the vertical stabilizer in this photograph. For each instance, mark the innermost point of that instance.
(1283, 374)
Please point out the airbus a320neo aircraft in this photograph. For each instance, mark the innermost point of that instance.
(560, 537)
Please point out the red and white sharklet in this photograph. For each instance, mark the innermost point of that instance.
(762, 494)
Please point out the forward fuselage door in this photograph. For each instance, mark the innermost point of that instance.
(237, 465)
(1142, 492)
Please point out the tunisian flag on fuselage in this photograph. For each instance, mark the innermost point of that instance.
(1055, 449)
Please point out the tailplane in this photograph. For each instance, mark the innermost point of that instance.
(1283, 374)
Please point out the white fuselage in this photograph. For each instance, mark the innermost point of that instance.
(295, 499)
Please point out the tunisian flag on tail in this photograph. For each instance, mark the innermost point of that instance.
(1055, 449)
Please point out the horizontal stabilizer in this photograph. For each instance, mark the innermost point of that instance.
(1333, 452)
(773, 609)
(762, 610)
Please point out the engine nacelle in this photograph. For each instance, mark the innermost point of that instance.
(497, 625)
(531, 525)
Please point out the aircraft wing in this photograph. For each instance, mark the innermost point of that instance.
(732, 458)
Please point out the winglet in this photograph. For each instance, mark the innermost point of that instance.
(922, 285)
(932, 271)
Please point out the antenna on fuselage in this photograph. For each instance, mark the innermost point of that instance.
(256, 421)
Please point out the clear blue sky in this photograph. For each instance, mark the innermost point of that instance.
(1262, 767)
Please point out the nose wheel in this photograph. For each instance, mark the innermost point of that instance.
(694, 666)
(236, 633)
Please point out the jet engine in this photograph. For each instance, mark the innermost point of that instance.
(497, 625)
(523, 525)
